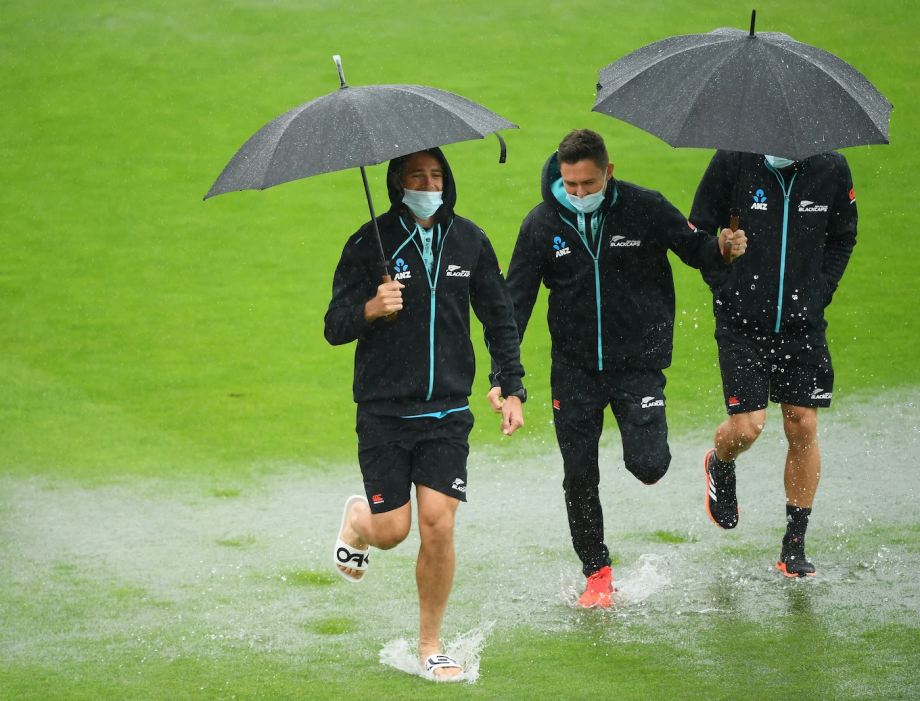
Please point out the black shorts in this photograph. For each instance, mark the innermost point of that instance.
(786, 370)
(395, 452)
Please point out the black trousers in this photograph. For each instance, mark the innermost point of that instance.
(580, 397)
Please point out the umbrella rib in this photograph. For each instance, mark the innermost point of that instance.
(795, 140)
(660, 59)
(701, 89)
(846, 88)
(274, 149)
(436, 99)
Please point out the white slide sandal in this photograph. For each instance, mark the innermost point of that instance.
(439, 661)
(345, 555)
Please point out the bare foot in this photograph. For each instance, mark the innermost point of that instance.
(424, 652)
(350, 535)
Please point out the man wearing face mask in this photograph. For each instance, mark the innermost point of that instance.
(414, 374)
(601, 246)
(770, 326)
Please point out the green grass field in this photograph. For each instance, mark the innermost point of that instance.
(156, 344)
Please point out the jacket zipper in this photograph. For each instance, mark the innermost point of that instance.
(782, 261)
(433, 286)
(597, 227)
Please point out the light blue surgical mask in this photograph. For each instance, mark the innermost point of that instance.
(779, 163)
(422, 203)
(588, 203)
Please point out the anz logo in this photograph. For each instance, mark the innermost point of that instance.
(760, 201)
(402, 270)
(561, 248)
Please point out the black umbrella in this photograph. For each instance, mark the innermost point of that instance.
(355, 127)
(739, 91)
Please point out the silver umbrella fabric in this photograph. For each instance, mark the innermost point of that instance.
(740, 91)
(354, 127)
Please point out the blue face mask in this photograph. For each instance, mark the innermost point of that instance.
(588, 203)
(421, 203)
(779, 163)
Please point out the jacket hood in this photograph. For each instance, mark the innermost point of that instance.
(553, 191)
(394, 187)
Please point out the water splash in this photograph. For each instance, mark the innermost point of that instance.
(466, 648)
(633, 586)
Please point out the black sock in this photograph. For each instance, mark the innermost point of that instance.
(721, 464)
(796, 524)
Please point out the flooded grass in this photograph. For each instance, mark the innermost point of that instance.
(237, 542)
(142, 576)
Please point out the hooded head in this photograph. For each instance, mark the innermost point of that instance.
(579, 170)
(395, 187)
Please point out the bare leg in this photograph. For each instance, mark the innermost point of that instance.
(738, 433)
(434, 572)
(803, 461)
(383, 531)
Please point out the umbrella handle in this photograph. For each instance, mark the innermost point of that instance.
(389, 317)
(727, 249)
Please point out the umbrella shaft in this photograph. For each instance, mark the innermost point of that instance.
(370, 205)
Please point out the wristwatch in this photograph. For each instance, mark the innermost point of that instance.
(520, 394)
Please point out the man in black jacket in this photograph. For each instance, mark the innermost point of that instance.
(600, 246)
(414, 374)
(770, 326)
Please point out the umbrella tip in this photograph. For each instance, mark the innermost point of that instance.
(338, 65)
(753, 19)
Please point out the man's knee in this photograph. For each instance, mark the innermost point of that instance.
(390, 532)
(436, 526)
(800, 423)
(747, 427)
(649, 467)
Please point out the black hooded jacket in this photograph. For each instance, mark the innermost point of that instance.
(423, 362)
(789, 273)
(611, 301)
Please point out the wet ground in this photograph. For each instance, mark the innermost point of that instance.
(198, 568)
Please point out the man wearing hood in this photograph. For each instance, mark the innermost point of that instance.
(414, 374)
(600, 246)
(770, 326)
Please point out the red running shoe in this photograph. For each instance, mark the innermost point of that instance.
(599, 592)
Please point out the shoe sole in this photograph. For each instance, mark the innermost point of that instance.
(781, 566)
(706, 497)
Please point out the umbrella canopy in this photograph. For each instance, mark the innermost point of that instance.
(739, 91)
(354, 127)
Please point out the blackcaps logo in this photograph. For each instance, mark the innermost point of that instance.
(649, 402)
(809, 206)
(561, 248)
(622, 242)
(402, 270)
(455, 271)
(458, 485)
(760, 201)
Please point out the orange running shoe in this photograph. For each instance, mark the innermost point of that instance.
(599, 592)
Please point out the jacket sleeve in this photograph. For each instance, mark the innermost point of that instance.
(492, 305)
(841, 231)
(525, 273)
(693, 245)
(352, 286)
(711, 210)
